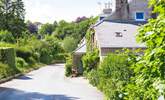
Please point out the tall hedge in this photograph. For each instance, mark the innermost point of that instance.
(7, 56)
(112, 74)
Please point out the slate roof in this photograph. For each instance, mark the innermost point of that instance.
(81, 48)
(107, 30)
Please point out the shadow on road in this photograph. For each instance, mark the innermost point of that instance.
(24, 78)
(14, 94)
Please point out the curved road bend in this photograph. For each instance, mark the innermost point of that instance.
(49, 83)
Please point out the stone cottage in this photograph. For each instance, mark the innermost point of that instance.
(118, 25)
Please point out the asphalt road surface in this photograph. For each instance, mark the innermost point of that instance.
(49, 83)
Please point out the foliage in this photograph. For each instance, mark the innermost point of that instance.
(5, 44)
(46, 29)
(88, 37)
(7, 62)
(12, 16)
(45, 56)
(80, 19)
(93, 77)
(59, 58)
(148, 82)
(21, 63)
(64, 28)
(32, 27)
(6, 36)
(69, 44)
(7, 56)
(68, 65)
(111, 76)
(71, 34)
(91, 60)
(6, 71)
(76, 30)
(24, 52)
(50, 49)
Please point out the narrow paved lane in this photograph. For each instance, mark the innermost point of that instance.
(48, 83)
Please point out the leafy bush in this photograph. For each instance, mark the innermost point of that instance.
(5, 44)
(54, 46)
(59, 58)
(21, 63)
(46, 29)
(68, 65)
(50, 50)
(91, 60)
(69, 44)
(93, 77)
(45, 56)
(7, 56)
(6, 36)
(24, 52)
(6, 71)
(112, 75)
(148, 82)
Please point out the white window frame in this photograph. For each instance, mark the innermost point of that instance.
(140, 19)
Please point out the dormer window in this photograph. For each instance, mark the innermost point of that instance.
(119, 34)
(139, 16)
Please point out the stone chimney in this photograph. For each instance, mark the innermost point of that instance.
(106, 11)
(121, 11)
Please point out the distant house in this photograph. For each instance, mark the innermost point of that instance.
(118, 25)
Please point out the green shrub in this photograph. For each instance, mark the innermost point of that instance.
(36, 56)
(50, 50)
(68, 66)
(45, 57)
(53, 46)
(148, 82)
(59, 58)
(6, 36)
(27, 54)
(21, 63)
(7, 56)
(69, 44)
(4, 44)
(112, 75)
(6, 71)
(24, 52)
(91, 60)
(93, 77)
(31, 61)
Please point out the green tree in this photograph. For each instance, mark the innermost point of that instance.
(149, 80)
(46, 29)
(69, 44)
(55, 24)
(12, 16)
(60, 31)
(6, 36)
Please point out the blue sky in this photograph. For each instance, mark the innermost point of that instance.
(50, 10)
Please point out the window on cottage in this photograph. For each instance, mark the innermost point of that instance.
(139, 16)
